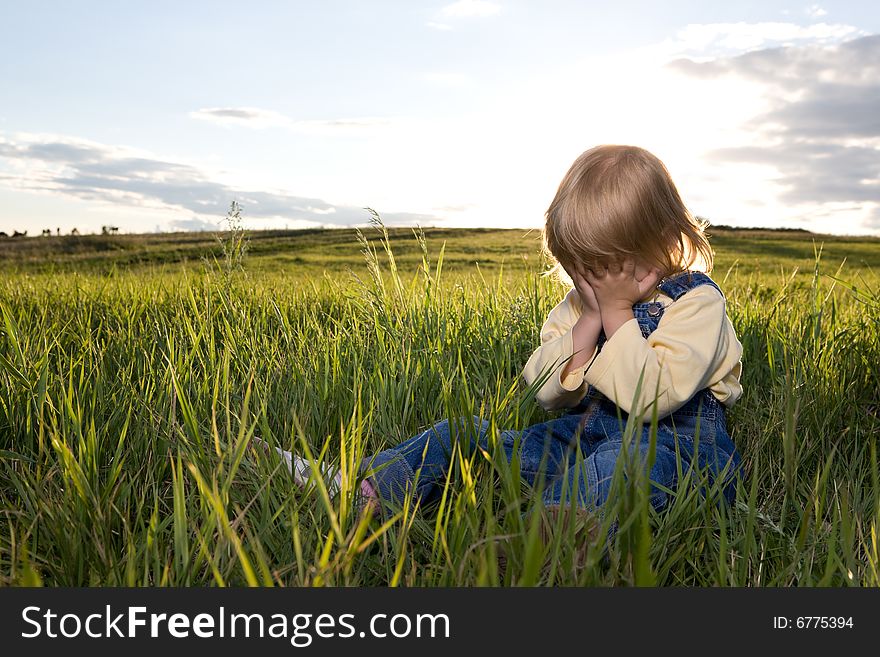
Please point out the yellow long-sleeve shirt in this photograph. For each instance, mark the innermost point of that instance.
(693, 347)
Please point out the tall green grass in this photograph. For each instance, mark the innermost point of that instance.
(128, 403)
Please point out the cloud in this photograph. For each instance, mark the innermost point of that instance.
(463, 207)
(254, 117)
(820, 130)
(251, 117)
(818, 172)
(439, 26)
(815, 11)
(710, 40)
(112, 175)
(470, 9)
(195, 224)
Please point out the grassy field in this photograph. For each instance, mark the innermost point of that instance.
(134, 371)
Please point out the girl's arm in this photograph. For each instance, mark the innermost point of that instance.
(693, 346)
(567, 336)
(584, 338)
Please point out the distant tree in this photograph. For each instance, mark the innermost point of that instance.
(105, 230)
(57, 231)
(74, 232)
(46, 233)
(17, 234)
(114, 230)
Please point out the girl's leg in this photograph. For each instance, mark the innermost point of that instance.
(545, 448)
(393, 471)
(588, 483)
(423, 461)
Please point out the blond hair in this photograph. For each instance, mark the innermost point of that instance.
(620, 201)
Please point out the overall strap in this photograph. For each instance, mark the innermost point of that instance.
(675, 286)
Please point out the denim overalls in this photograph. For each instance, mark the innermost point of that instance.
(592, 426)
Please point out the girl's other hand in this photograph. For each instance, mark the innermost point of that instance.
(616, 285)
(584, 290)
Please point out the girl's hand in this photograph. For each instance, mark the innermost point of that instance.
(584, 290)
(616, 286)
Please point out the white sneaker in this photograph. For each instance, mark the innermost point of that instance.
(301, 469)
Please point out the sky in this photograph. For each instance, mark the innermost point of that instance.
(154, 116)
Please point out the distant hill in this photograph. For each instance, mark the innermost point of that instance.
(759, 228)
(316, 250)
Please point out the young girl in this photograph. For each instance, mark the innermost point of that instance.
(638, 309)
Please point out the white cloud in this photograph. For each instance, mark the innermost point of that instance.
(815, 11)
(119, 177)
(439, 26)
(470, 9)
(256, 118)
(251, 117)
(708, 40)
